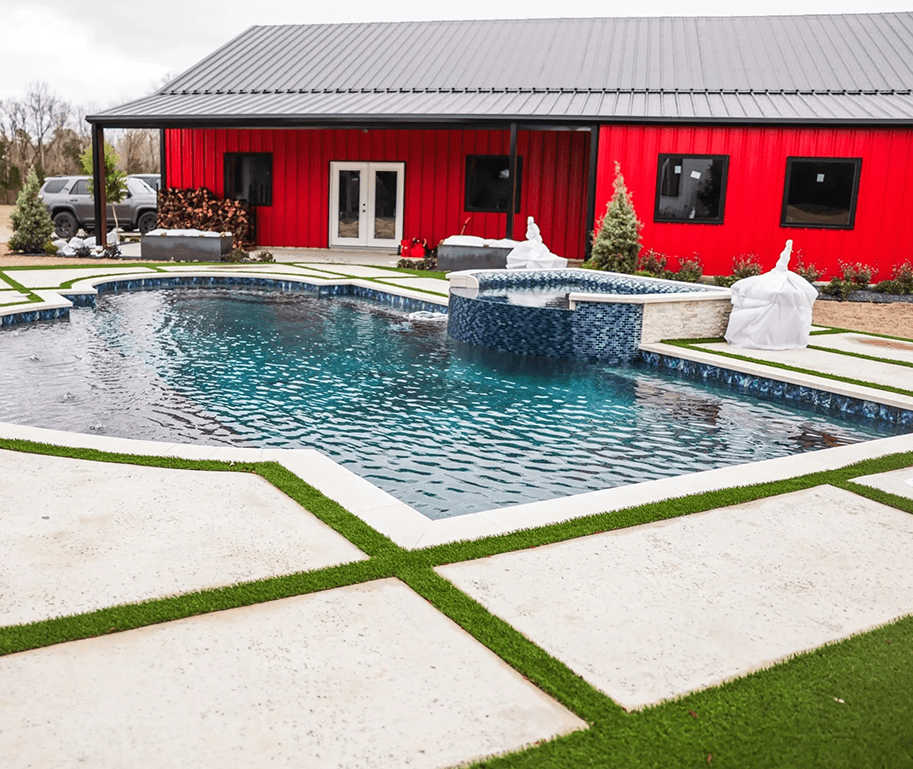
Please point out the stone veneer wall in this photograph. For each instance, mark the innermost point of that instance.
(685, 320)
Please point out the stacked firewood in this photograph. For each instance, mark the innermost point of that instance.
(199, 209)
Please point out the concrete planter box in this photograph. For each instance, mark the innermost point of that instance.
(186, 247)
(456, 258)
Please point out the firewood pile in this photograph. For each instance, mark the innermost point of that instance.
(199, 209)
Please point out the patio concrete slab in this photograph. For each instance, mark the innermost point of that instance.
(422, 284)
(354, 270)
(656, 611)
(827, 363)
(53, 278)
(11, 296)
(866, 344)
(78, 536)
(364, 676)
(899, 482)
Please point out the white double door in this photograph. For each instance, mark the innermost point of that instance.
(366, 204)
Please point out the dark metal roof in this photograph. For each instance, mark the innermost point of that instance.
(848, 68)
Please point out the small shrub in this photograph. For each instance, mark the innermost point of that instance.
(839, 288)
(50, 249)
(901, 281)
(652, 262)
(691, 270)
(743, 266)
(746, 266)
(616, 241)
(235, 256)
(807, 271)
(264, 256)
(32, 225)
(427, 262)
(857, 273)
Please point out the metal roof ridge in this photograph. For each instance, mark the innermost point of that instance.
(508, 89)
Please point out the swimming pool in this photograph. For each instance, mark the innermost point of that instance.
(446, 427)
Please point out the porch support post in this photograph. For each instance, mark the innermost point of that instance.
(591, 191)
(163, 160)
(512, 171)
(98, 185)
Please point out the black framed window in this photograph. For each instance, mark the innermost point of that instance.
(249, 176)
(691, 188)
(488, 186)
(821, 192)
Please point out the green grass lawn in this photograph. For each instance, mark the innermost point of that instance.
(849, 704)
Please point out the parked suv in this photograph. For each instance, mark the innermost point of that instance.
(71, 206)
(153, 180)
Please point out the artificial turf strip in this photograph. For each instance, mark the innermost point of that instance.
(689, 345)
(17, 638)
(30, 295)
(862, 356)
(789, 715)
(780, 717)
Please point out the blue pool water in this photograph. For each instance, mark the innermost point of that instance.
(447, 428)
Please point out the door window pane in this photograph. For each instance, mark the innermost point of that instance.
(821, 192)
(385, 183)
(691, 188)
(349, 203)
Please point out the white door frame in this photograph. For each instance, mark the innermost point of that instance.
(367, 187)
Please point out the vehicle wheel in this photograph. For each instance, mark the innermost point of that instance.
(147, 222)
(65, 225)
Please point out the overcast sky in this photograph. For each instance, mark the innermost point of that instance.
(102, 54)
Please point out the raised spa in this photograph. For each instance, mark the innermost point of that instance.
(580, 313)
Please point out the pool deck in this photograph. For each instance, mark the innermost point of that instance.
(374, 673)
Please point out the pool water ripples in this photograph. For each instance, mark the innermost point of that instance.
(447, 428)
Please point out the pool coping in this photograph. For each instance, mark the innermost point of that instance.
(409, 528)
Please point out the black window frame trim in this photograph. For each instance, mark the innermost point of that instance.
(853, 200)
(684, 156)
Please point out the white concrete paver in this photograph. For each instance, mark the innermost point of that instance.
(656, 611)
(52, 278)
(11, 296)
(77, 536)
(865, 344)
(899, 482)
(828, 363)
(422, 284)
(364, 676)
(355, 270)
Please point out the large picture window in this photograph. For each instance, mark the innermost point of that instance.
(488, 186)
(691, 188)
(821, 192)
(249, 176)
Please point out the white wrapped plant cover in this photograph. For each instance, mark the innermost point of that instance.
(772, 311)
(532, 253)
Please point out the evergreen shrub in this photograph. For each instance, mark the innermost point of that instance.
(32, 225)
(616, 242)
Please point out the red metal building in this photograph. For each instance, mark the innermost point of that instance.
(733, 134)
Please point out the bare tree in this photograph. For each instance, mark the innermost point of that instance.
(45, 112)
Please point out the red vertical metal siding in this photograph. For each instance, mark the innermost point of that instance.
(553, 186)
(881, 234)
